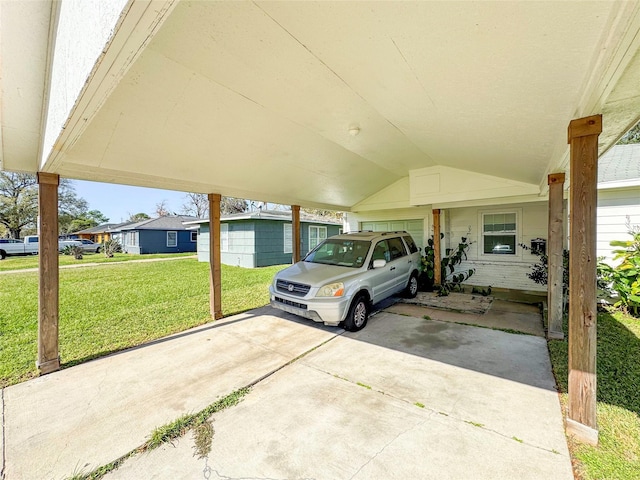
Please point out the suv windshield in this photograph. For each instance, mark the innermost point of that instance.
(341, 252)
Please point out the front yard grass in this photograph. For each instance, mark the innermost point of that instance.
(31, 261)
(617, 456)
(113, 307)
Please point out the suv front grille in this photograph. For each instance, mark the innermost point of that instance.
(291, 288)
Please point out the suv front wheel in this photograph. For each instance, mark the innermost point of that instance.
(358, 314)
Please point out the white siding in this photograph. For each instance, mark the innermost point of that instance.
(498, 271)
(614, 207)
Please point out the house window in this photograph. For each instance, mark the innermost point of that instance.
(499, 232)
(172, 239)
(194, 235)
(288, 238)
(316, 235)
(224, 237)
(133, 239)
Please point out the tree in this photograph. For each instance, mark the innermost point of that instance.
(324, 214)
(230, 205)
(161, 209)
(138, 217)
(18, 202)
(632, 136)
(89, 219)
(196, 204)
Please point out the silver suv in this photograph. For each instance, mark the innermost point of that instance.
(339, 280)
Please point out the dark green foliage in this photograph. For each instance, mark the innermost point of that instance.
(540, 270)
(451, 280)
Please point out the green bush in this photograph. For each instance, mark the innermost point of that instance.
(624, 279)
(110, 247)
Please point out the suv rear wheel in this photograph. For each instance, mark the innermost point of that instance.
(412, 287)
(358, 314)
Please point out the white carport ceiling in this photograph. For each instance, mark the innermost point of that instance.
(255, 99)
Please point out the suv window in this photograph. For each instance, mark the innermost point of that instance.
(413, 248)
(396, 248)
(345, 253)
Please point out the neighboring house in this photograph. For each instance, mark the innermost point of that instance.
(98, 234)
(618, 196)
(156, 235)
(261, 238)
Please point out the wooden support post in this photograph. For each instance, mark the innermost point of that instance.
(437, 263)
(295, 220)
(583, 138)
(48, 311)
(215, 276)
(554, 254)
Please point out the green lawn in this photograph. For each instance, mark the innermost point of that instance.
(618, 367)
(31, 261)
(112, 307)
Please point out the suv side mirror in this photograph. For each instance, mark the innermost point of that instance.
(379, 263)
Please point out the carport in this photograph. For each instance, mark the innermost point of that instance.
(325, 105)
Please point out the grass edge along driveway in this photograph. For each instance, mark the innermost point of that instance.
(617, 457)
(114, 307)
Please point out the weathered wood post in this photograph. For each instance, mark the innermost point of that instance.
(583, 138)
(215, 276)
(554, 253)
(437, 264)
(48, 292)
(295, 220)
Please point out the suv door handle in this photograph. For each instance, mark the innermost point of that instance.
(392, 269)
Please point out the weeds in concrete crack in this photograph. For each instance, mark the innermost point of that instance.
(474, 423)
(363, 385)
(203, 437)
(170, 432)
(506, 330)
(518, 439)
(419, 405)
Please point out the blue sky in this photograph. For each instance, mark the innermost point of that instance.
(118, 202)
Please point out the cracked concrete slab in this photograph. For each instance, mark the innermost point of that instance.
(86, 416)
(403, 398)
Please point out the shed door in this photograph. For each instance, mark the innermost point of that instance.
(414, 227)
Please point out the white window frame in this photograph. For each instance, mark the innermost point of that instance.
(173, 233)
(287, 232)
(194, 236)
(224, 237)
(318, 238)
(516, 233)
(132, 238)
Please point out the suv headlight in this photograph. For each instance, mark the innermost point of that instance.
(331, 290)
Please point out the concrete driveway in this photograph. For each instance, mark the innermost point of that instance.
(405, 398)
